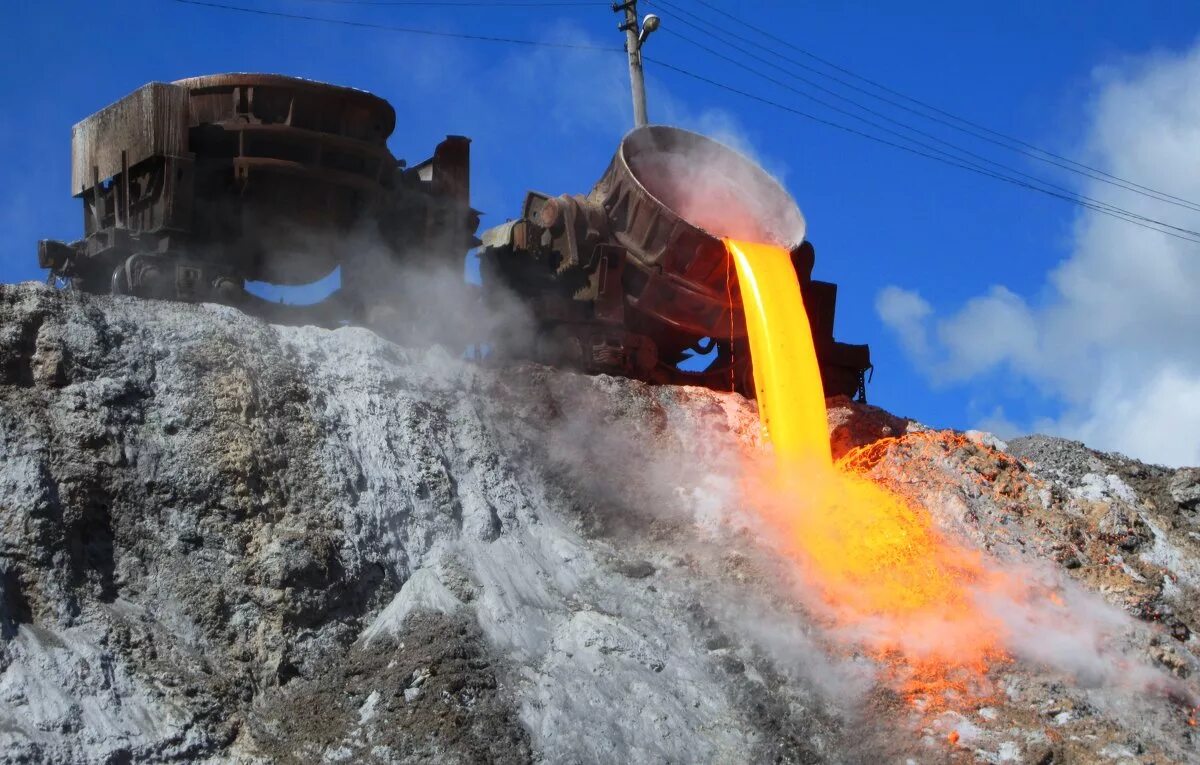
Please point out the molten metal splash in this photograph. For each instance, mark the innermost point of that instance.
(885, 574)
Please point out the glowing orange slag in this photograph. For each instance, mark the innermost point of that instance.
(883, 572)
(787, 379)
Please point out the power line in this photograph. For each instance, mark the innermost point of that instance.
(403, 30)
(1083, 169)
(973, 129)
(465, 3)
(1002, 167)
(1115, 212)
(937, 155)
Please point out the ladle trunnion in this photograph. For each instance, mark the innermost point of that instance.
(192, 188)
(628, 278)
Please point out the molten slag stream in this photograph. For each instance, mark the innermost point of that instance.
(883, 572)
(787, 379)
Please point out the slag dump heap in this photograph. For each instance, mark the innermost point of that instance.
(226, 541)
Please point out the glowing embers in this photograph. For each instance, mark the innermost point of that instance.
(886, 577)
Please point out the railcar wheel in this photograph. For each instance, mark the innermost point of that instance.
(119, 283)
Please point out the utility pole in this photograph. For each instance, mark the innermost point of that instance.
(635, 37)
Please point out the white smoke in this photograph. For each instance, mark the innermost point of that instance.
(1075, 633)
(715, 188)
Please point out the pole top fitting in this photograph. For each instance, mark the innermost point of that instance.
(649, 25)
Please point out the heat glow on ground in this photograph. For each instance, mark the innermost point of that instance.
(886, 578)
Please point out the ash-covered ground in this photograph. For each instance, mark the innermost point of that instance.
(227, 541)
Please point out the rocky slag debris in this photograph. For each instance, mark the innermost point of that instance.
(227, 541)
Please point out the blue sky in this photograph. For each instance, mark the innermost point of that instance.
(549, 120)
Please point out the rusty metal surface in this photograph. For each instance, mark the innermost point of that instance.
(192, 188)
(684, 276)
(630, 273)
(302, 104)
(643, 175)
(150, 122)
(228, 82)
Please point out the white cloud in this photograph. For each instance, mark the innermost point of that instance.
(988, 331)
(997, 423)
(1157, 420)
(1117, 338)
(906, 313)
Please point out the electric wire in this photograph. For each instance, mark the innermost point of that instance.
(974, 129)
(1076, 167)
(937, 154)
(463, 3)
(1115, 213)
(402, 30)
(928, 147)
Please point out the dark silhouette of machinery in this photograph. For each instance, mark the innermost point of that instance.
(629, 277)
(193, 188)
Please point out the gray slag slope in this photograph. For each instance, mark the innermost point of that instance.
(226, 541)
(223, 539)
